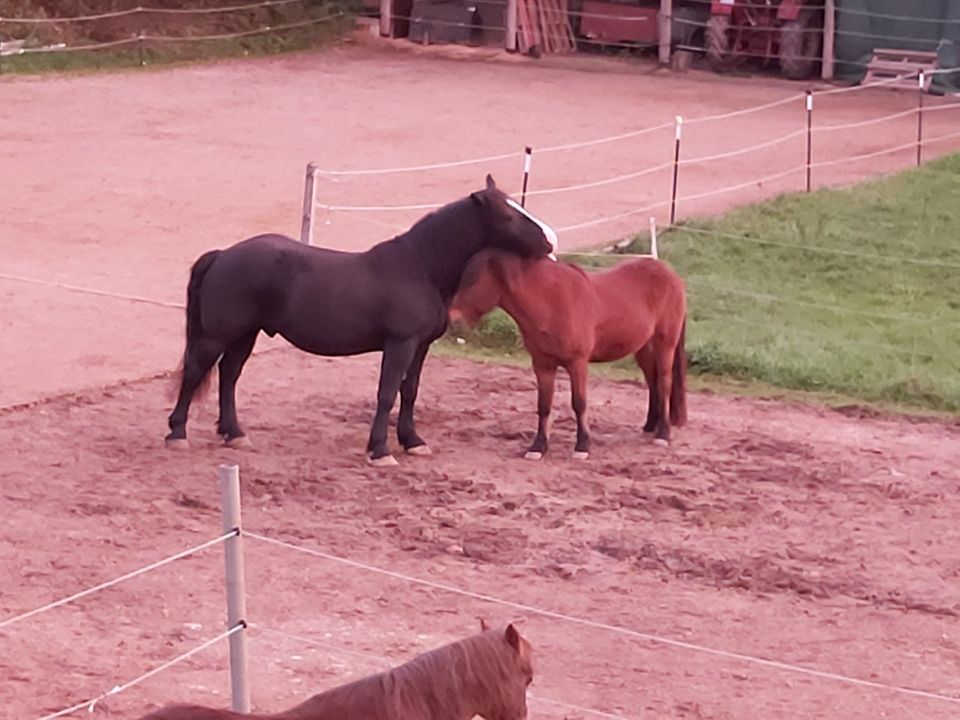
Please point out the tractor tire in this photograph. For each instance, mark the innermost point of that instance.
(718, 42)
(800, 44)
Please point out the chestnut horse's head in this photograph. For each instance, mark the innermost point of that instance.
(480, 289)
(508, 671)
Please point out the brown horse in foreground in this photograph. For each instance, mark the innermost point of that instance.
(569, 318)
(485, 675)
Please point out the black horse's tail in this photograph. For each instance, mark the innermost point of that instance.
(194, 318)
(197, 273)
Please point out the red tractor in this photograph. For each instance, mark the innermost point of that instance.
(788, 30)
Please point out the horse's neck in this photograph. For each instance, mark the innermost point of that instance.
(413, 691)
(444, 243)
(445, 686)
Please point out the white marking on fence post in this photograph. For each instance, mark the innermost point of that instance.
(236, 586)
(309, 200)
(653, 238)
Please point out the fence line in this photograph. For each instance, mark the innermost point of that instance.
(148, 9)
(91, 704)
(117, 580)
(420, 168)
(744, 151)
(741, 186)
(866, 156)
(611, 218)
(811, 248)
(600, 183)
(864, 123)
(90, 291)
(618, 137)
(819, 306)
(386, 663)
(245, 33)
(681, 644)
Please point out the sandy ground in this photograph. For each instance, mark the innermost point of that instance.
(785, 532)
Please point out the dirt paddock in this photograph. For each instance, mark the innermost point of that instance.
(811, 537)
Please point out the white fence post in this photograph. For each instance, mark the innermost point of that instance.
(309, 200)
(236, 586)
(654, 251)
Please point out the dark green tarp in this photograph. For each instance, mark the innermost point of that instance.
(863, 25)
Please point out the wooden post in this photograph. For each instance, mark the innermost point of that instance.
(829, 36)
(665, 30)
(236, 600)
(309, 200)
(510, 40)
(386, 18)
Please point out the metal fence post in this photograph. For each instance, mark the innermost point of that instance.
(236, 590)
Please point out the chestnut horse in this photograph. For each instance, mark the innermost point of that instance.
(569, 318)
(485, 675)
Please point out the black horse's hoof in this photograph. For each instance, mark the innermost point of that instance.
(382, 461)
(237, 443)
(533, 455)
(176, 443)
(419, 450)
(581, 454)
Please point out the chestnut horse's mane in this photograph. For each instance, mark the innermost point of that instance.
(441, 682)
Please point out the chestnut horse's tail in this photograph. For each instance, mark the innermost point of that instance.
(194, 319)
(678, 392)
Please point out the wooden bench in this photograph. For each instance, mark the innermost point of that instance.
(901, 67)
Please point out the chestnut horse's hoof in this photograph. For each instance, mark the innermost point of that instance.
(660, 442)
(173, 443)
(385, 461)
(239, 442)
(580, 455)
(533, 455)
(419, 450)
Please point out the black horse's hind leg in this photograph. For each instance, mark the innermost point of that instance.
(397, 358)
(197, 363)
(406, 428)
(231, 364)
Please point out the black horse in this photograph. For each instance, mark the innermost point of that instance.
(393, 297)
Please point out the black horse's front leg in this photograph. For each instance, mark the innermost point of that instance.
(406, 428)
(546, 378)
(397, 357)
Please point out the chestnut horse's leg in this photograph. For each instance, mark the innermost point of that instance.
(546, 376)
(578, 394)
(231, 364)
(397, 358)
(406, 429)
(648, 364)
(664, 352)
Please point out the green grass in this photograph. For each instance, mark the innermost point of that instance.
(794, 293)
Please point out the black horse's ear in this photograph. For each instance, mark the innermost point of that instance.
(491, 185)
(477, 197)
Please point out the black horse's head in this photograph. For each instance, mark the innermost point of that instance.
(509, 227)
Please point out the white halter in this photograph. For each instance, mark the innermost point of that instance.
(547, 230)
